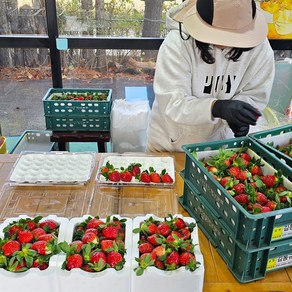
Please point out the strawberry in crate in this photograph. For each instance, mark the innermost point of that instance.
(28, 243)
(246, 179)
(96, 245)
(165, 244)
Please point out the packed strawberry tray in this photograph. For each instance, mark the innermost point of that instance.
(250, 191)
(124, 169)
(52, 168)
(114, 253)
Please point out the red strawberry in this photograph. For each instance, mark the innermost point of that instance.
(107, 245)
(256, 170)
(90, 237)
(74, 261)
(243, 175)
(188, 259)
(145, 247)
(179, 222)
(225, 180)
(134, 168)
(159, 264)
(115, 260)
(155, 177)
(49, 225)
(14, 229)
(126, 176)
(265, 209)
(110, 232)
(245, 156)
(159, 251)
(261, 198)
(38, 232)
(25, 236)
(77, 244)
(91, 230)
(42, 247)
(234, 170)
(99, 258)
(166, 178)
(272, 205)
(185, 233)
(163, 229)
(46, 237)
(10, 247)
(94, 223)
(114, 176)
(241, 199)
(148, 228)
(145, 177)
(31, 225)
(239, 188)
(172, 261)
(269, 180)
(156, 239)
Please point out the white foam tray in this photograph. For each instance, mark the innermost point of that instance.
(28, 280)
(104, 281)
(52, 168)
(154, 279)
(124, 160)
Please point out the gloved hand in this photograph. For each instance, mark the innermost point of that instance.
(235, 112)
(239, 131)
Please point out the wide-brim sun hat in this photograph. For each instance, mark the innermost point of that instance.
(231, 23)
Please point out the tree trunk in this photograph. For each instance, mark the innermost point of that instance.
(152, 23)
(5, 55)
(101, 59)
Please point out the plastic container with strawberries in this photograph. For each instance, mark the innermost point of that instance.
(101, 266)
(29, 252)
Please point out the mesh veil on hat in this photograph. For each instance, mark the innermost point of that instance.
(231, 23)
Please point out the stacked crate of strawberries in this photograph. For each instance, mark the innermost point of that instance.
(240, 195)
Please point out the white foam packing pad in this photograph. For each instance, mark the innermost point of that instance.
(52, 168)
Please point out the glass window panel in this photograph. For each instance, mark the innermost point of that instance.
(23, 17)
(113, 17)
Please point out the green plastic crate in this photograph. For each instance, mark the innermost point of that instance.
(246, 265)
(279, 136)
(251, 230)
(77, 107)
(61, 123)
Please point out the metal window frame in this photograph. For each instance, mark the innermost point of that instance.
(49, 42)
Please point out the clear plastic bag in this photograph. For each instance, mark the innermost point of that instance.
(129, 122)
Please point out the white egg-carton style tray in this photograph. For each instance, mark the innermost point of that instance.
(119, 161)
(154, 279)
(52, 168)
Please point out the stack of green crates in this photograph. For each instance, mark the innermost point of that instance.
(250, 244)
(77, 115)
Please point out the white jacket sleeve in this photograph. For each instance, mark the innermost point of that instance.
(173, 84)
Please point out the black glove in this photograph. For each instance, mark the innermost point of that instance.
(235, 112)
(239, 131)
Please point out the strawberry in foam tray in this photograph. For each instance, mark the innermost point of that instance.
(28, 252)
(137, 170)
(96, 253)
(166, 255)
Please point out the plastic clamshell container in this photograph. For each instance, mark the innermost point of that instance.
(278, 137)
(246, 265)
(77, 115)
(27, 281)
(106, 280)
(154, 279)
(61, 200)
(133, 201)
(250, 230)
(33, 140)
(3, 149)
(52, 168)
(124, 160)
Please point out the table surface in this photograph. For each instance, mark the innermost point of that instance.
(37, 200)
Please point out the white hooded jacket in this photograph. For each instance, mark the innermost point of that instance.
(185, 88)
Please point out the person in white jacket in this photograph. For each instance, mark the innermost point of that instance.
(214, 74)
